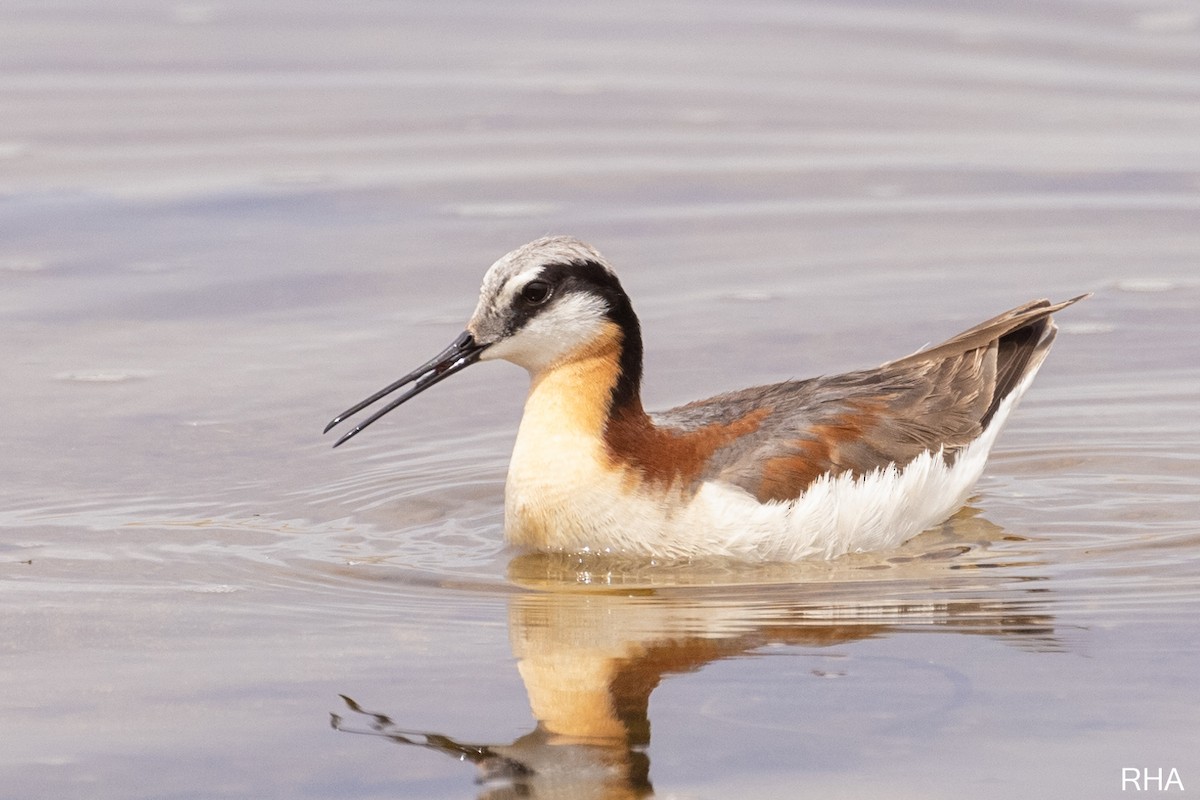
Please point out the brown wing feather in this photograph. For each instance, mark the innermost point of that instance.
(939, 398)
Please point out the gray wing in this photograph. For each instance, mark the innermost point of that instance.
(939, 398)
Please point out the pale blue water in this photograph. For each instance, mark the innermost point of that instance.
(220, 225)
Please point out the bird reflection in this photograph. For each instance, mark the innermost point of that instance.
(594, 637)
(537, 765)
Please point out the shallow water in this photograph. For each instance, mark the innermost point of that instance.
(219, 226)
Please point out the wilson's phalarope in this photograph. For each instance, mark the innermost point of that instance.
(819, 467)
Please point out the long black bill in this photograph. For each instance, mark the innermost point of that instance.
(462, 353)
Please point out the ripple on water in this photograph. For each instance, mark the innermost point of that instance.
(22, 265)
(117, 375)
(1144, 285)
(1102, 519)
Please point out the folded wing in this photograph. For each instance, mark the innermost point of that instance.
(940, 398)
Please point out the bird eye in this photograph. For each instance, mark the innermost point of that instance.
(535, 292)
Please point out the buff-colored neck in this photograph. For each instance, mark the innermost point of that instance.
(560, 455)
(575, 394)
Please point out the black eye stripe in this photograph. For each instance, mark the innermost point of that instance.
(564, 279)
(594, 279)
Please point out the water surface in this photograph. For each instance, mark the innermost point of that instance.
(221, 225)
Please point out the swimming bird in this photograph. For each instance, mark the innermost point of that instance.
(804, 468)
